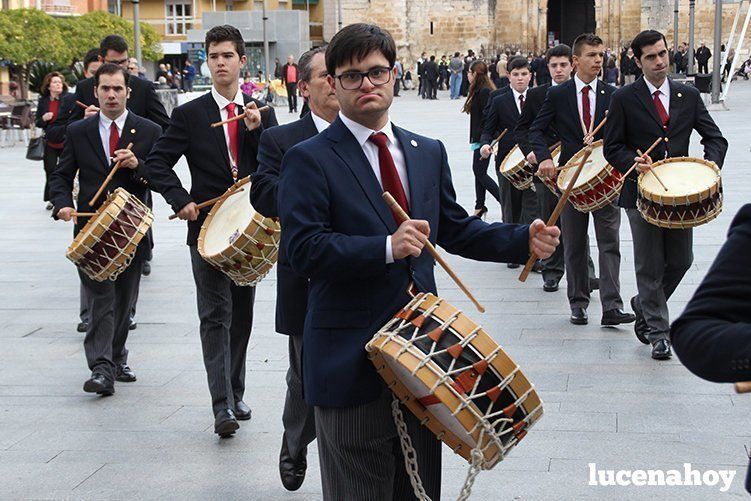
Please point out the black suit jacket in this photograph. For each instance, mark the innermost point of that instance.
(633, 123)
(560, 110)
(190, 134)
(142, 101)
(431, 70)
(291, 287)
(532, 106)
(501, 113)
(84, 153)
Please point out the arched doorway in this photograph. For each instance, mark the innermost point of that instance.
(567, 19)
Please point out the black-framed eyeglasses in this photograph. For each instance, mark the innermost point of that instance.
(352, 80)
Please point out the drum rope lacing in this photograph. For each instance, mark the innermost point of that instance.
(239, 277)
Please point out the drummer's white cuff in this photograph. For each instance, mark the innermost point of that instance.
(389, 251)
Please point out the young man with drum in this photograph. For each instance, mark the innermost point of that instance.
(217, 158)
(574, 109)
(92, 146)
(338, 230)
(653, 107)
(292, 289)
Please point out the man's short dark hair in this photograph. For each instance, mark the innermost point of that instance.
(304, 63)
(586, 39)
(517, 63)
(91, 56)
(432, 58)
(226, 33)
(560, 50)
(110, 69)
(356, 42)
(456, 54)
(645, 38)
(112, 42)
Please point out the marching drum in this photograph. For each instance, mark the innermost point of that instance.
(694, 195)
(550, 183)
(515, 168)
(238, 240)
(451, 374)
(598, 184)
(106, 244)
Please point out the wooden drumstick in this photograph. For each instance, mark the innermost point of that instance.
(597, 129)
(433, 252)
(654, 173)
(649, 150)
(83, 214)
(82, 105)
(500, 136)
(236, 118)
(743, 387)
(558, 169)
(107, 180)
(212, 201)
(557, 211)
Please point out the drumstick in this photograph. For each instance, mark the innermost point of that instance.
(558, 169)
(236, 118)
(83, 214)
(433, 252)
(79, 103)
(654, 173)
(212, 201)
(557, 211)
(107, 180)
(500, 136)
(743, 387)
(654, 145)
(597, 129)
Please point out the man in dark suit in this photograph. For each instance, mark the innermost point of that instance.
(217, 158)
(559, 68)
(339, 232)
(291, 288)
(655, 106)
(503, 112)
(431, 77)
(702, 56)
(574, 108)
(92, 145)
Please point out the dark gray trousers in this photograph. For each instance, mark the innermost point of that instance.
(360, 455)
(574, 227)
(517, 206)
(109, 304)
(298, 417)
(226, 314)
(661, 257)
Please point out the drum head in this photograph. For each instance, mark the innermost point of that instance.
(682, 178)
(594, 165)
(513, 159)
(231, 218)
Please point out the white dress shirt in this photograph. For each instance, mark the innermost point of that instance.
(104, 130)
(222, 103)
(516, 98)
(362, 134)
(592, 99)
(320, 123)
(664, 93)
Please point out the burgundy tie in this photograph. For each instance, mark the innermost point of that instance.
(389, 175)
(661, 109)
(521, 102)
(114, 139)
(586, 110)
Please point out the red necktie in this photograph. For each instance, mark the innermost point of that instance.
(661, 109)
(114, 139)
(232, 130)
(389, 175)
(586, 110)
(521, 102)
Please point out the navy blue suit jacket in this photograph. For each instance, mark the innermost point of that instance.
(335, 225)
(501, 113)
(291, 288)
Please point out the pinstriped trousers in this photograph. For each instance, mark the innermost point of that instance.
(361, 458)
(226, 314)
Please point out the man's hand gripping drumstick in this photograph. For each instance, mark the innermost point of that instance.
(412, 236)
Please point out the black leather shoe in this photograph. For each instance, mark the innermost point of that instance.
(617, 316)
(146, 270)
(98, 384)
(242, 411)
(225, 424)
(292, 470)
(550, 285)
(124, 374)
(132, 325)
(537, 267)
(82, 327)
(640, 327)
(512, 266)
(661, 349)
(579, 316)
(594, 284)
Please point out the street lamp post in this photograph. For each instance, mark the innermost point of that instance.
(690, 54)
(265, 43)
(675, 27)
(717, 60)
(137, 31)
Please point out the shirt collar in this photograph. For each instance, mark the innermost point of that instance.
(222, 101)
(119, 121)
(517, 94)
(320, 123)
(664, 88)
(362, 133)
(580, 84)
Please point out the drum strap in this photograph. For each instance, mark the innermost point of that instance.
(410, 458)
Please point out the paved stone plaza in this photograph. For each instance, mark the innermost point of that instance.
(606, 401)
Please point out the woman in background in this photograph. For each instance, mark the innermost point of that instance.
(53, 90)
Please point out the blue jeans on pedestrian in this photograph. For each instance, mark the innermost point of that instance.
(455, 84)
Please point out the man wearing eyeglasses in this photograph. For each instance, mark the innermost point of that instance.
(339, 232)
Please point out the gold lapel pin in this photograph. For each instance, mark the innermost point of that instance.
(602, 92)
(413, 143)
(680, 95)
(132, 131)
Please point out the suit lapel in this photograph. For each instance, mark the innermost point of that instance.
(571, 98)
(676, 105)
(600, 103)
(642, 94)
(129, 132)
(309, 128)
(242, 130)
(349, 150)
(92, 131)
(415, 178)
(213, 116)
